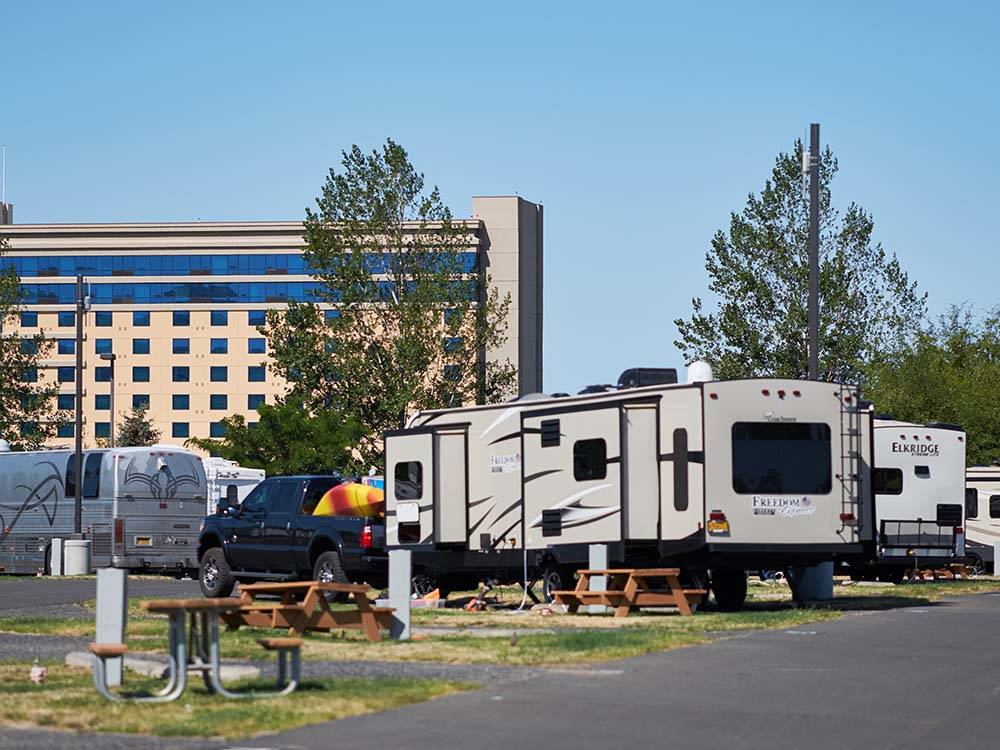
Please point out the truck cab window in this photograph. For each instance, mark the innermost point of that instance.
(590, 459)
(257, 500)
(887, 481)
(971, 503)
(285, 497)
(409, 476)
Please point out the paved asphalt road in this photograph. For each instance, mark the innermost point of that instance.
(24, 594)
(921, 677)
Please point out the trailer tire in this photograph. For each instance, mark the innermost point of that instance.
(730, 589)
(215, 577)
(976, 563)
(329, 569)
(891, 574)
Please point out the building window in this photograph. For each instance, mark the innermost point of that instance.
(453, 343)
(590, 459)
(255, 373)
(140, 318)
(409, 476)
(140, 346)
(216, 430)
(29, 320)
(102, 319)
(218, 401)
(182, 346)
(254, 400)
(29, 346)
(256, 346)
(140, 401)
(102, 374)
(453, 372)
(65, 401)
(102, 346)
(329, 315)
(65, 374)
(66, 430)
(102, 402)
(180, 430)
(219, 346)
(29, 375)
(139, 374)
(257, 317)
(102, 429)
(181, 401)
(67, 319)
(66, 346)
(181, 374)
(219, 374)
(182, 318)
(220, 317)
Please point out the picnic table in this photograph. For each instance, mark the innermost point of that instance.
(631, 587)
(304, 606)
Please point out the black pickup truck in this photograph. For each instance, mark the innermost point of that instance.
(274, 536)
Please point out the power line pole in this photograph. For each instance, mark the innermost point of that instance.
(78, 403)
(813, 321)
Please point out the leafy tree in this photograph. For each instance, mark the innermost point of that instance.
(950, 373)
(27, 399)
(759, 271)
(288, 439)
(137, 429)
(408, 323)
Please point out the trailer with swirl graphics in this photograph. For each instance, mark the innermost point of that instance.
(141, 507)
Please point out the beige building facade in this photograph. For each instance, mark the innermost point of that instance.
(178, 304)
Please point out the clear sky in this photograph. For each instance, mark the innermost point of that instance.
(638, 126)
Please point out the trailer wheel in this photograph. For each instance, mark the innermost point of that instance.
(976, 563)
(730, 589)
(891, 574)
(329, 569)
(214, 575)
(555, 578)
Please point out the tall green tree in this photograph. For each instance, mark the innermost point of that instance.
(407, 321)
(949, 373)
(289, 439)
(137, 429)
(28, 415)
(759, 277)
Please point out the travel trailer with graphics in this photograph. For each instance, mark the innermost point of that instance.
(982, 516)
(712, 475)
(919, 485)
(141, 507)
(221, 474)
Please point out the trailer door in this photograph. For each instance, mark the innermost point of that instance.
(409, 487)
(572, 477)
(450, 485)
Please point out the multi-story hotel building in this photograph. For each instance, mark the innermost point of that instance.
(179, 305)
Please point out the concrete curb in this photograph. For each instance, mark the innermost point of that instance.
(154, 668)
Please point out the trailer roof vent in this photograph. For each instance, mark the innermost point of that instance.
(636, 377)
(599, 388)
(529, 397)
(699, 372)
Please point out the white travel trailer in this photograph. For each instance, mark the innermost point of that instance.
(719, 475)
(221, 474)
(141, 507)
(982, 515)
(919, 485)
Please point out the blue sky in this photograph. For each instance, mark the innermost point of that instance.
(639, 126)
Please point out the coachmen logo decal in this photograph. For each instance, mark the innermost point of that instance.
(783, 507)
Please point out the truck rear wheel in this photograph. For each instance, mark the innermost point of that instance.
(214, 575)
(730, 589)
(329, 569)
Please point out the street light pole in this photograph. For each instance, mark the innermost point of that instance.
(78, 403)
(111, 357)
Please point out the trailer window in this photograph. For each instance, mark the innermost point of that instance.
(971, 503)
(781, 457)
(680, 469)
(924, 472)
(550, 433)
(590, 459)
(887, 481)
(994, 506)
(409, 477)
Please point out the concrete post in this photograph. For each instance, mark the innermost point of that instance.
(816, 583)
(996, 558)
(598, 560)
(56, 557)
(400, 582)
(112, 611)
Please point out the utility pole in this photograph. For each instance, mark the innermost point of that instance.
(813, 321)
(110, 357)
(78, 403)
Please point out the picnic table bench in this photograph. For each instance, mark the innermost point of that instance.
(631, 587)
(303, 606)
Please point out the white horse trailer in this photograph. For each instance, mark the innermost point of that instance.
(982, 515)
(222, 474)
(720, 475)
(141, 507)
(919, 485)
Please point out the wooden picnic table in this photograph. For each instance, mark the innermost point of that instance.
(631, 587)
(303, 606)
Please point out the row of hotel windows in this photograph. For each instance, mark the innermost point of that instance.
(235, 292)
(177, 430)
(179, 374)
(140, 318)
(178, 401)
(142, 346)
(193, 265)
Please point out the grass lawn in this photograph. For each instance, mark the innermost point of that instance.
(68, 700)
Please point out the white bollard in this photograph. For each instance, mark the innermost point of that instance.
(112, 613)
(400, 583)
(56, 557)
(598, 560)
(76, 557)
(996, 558)
(816, 583)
